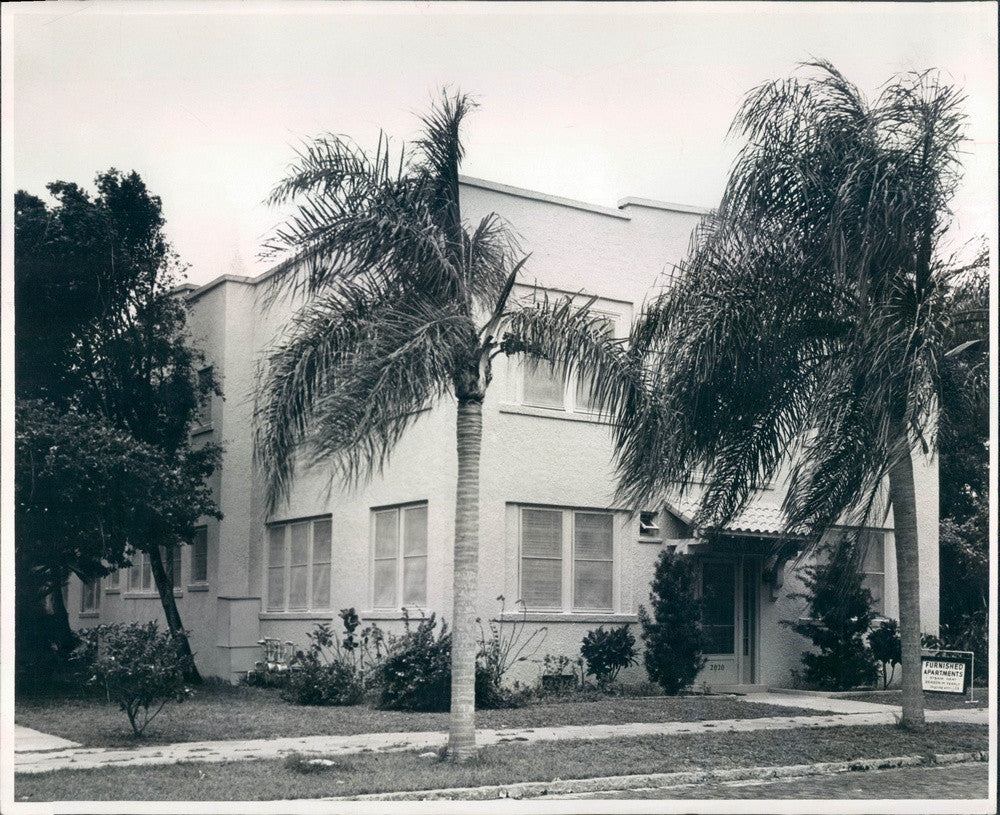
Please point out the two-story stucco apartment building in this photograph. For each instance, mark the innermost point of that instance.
(551, 533)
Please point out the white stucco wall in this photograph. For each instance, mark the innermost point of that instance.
(529, 456)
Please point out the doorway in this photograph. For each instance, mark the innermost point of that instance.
(729, 592)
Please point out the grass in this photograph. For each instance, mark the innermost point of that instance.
(296, 777)
(219, 711)
(932, 701)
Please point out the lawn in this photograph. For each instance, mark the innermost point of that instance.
(509, 763)
(932, 701)
(219, 711)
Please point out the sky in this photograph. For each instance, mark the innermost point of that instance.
(596, 102)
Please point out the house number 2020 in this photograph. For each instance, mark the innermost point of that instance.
(716, 666)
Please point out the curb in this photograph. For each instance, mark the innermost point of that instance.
(617, 783)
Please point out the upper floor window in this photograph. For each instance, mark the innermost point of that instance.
(553, 386)
(399, 557)
(566, 559)
(299, 554)
(203, 414)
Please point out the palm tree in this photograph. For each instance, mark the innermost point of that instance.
(806, 323)
(405, 306)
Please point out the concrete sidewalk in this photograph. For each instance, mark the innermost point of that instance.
(32, 758)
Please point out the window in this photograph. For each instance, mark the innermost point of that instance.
(299, 554)
(140, 576)
(199, 556)
(203, 415)
(114, 580)
(873, 567)
(649, 525)
(566, 560)
(91, 596)
(399, 557)
(551, 386)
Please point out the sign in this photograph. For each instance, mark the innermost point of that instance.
(944, 674)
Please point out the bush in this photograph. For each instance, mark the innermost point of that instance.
(840, 614)
(673, 635)
(333, 671)
(416, 673)
(607, 652)
(140, 668)
(887, 649)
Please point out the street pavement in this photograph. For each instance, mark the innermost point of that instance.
(943, 782)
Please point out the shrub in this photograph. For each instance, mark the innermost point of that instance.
(607, 652)
(839, 615)
(140, 668)
(416, 673)
(673, 635)
(332, 670)
(887, 649)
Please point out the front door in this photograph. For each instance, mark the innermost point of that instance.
(729, 597)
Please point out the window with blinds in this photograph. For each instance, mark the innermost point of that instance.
(299, 555)
(566, 560)
(399, 557)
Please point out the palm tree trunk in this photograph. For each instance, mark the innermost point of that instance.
(462, 735)
(904, 510)
(165, 588)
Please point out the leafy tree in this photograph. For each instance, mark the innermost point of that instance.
(963, 434)
(406, 305)
(810, 319)
(118, 351)
(839, 614)
(673, 635)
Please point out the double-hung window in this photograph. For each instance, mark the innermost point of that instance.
(298, 565)
(140, 577)
(399, 557)
(566, 559)
(553, 386)
(199, 556)
(873, 567)
(91, 597)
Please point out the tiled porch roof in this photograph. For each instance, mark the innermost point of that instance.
(762, 516)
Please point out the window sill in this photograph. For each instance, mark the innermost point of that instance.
(201, 430)
(553, 413)
(149, 595)
(112, 591)
(89, 615)
(395, 614)
(197, 587)
(568, 617)
(657, 541)
(295, 615)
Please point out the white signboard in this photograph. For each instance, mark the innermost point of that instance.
(944, 676)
